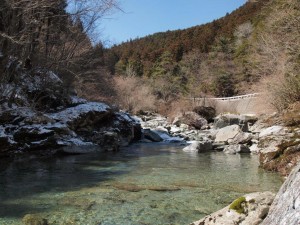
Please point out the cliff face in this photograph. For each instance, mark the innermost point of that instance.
(286, 206)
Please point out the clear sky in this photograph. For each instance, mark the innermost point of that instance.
(143, 17)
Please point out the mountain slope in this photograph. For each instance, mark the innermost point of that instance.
(196, 60)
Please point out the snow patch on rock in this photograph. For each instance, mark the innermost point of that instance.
(72, 113)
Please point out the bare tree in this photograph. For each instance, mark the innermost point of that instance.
(48, 34)
(44, 27)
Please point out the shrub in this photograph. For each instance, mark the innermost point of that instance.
(133, 94)
(285, 92)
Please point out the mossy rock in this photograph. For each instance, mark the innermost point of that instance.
(237, 205)
(32, 219)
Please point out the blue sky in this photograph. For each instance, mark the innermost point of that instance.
(143, 17)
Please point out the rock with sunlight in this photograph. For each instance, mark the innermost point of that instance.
(249, 209)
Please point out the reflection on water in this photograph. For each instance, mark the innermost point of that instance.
(142, 184)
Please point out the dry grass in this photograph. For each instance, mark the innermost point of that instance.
(134, 95)
(174, 108)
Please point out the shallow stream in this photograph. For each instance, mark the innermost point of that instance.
(144, 184)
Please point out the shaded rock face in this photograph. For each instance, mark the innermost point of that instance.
(208, 113)
(250, 209)
(6, 145)
(286, 206)
(37, 112)
(191, 119)
(84, 124)
(151, 135)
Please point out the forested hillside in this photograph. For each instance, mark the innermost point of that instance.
(180, 42)
(192, 56)
(228, 56)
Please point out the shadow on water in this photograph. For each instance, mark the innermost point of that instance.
(30, 176)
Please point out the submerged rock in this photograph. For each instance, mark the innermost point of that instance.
(136, 188)
(233, 149)
(33, 219)
(199, 146)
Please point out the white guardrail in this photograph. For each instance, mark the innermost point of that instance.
(254, 95)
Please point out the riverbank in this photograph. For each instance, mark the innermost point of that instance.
(274, 138)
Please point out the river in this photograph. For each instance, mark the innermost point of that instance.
(140, 185)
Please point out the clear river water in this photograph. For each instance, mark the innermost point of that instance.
(144, 184)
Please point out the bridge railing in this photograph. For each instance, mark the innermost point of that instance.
(253, 95)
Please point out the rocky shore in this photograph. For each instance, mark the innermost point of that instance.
(278, 147)
(43, 118)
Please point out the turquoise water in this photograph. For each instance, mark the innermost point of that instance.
(140, 185)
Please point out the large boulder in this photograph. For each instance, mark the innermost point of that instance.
(208, 113)
(250, 209)
(128, 128)
(84, 117)
(232, 135)
(286, 205)
(192, 119)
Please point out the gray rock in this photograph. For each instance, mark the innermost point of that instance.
(254, 208)
(228, 133)
(244, 121)
(191, 119)
(286, 206)
(225, 120)
(199, 146)
(151, 135)
(274, 130)
(254, 149)
(233, 149)
(241, 138)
